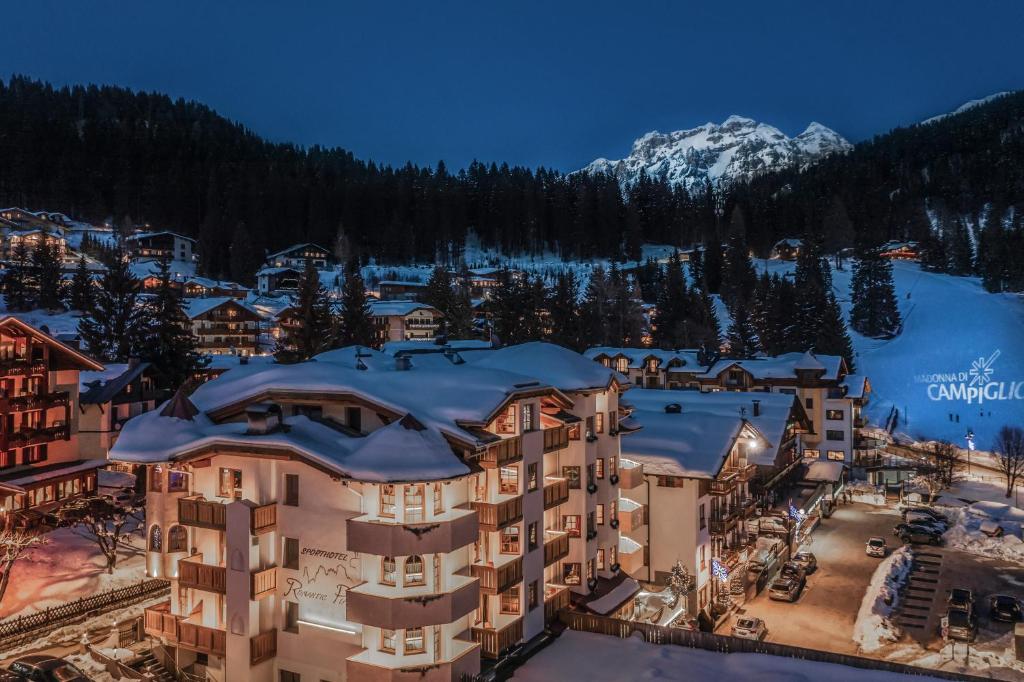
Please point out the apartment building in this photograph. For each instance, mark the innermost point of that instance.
(690, 480)
(224, 325)
(652, 367)
(831, 396)
(364, 517)
(162, 245)
(404, 321)
(40, 461)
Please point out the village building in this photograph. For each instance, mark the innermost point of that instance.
(162, 245)
(898, 250)
(404, 321)
(273, 280)
(296, 256)
(394, 290)
(39, 422)
(110, 397)
(652, 367)
(204, 287)
(224, 325)
(831, 396)
(787, 249)
(373, 517)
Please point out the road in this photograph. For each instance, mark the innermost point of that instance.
(824, 615)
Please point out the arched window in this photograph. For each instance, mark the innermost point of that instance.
(177, 539)
(388, 570)
(414, 570)
(156, 539)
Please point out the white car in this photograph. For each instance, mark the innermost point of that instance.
(749, 628)
(875, 547)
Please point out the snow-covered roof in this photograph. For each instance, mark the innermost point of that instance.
(225, 362)
(637, 356)
(389, 308)
(401, 283)
(100, 387)
(616, 597)
(558, 366)
(296, 247)
(211, 283)
(194, 307)
(824, 470)
(415, 347)
(855, 385)
(781, 366)
(146, 235)
(696, 441)
(276, 271)
(791, 242)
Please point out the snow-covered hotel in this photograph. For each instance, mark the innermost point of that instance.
(367, 517)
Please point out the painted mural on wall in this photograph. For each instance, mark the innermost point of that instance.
(322, 583)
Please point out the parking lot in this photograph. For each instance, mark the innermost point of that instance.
(824, 615)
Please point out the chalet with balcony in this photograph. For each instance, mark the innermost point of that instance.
(274, 280)
(39, 421)
(204, 287)
(224, 325)
(787, 249)
(109, 398)
(394, 290)
(652, 367)
(162, 245)
(364, 516)
(296, 256)
(404, 321)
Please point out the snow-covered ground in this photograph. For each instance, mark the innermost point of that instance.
(949, 324)
(586, 656)
(66, 568)
(875, 626)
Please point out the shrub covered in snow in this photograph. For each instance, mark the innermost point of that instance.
(965, 532)
(875, 625)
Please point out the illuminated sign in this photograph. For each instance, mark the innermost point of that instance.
(974, 386)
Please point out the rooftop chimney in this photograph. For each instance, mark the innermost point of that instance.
(403, 363)
(757, 408)
(263, 418)
(673, 408)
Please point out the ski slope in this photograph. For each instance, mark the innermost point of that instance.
(949, 323)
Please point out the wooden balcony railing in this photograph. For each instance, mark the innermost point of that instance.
(34, 401)
(505, 451)
(495, 516)
(556, 492)
(262, 647)
(193, 573)
(493, 642)
(200, 513)
(262, 583)
(158, 621)
(554, 603)
(21, 367)
(263, 519)
(497, 580)
(25, 437)
(205, 640)
(556, 438)
(555, 548)
(718, 487)
(742, 473)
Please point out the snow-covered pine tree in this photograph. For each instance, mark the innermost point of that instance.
(738, 275)
(832, 337)
(46, 263)
(170, 345)
(813, 284)
(874, 311)
(565, 312)
(594, 310)
(314, 330)
(713, 264)
(115, 328)
(80, 291)
(696, 266)
(20, 287)
(671, 306)
(356, 324)
(742, 336)
(961, 251)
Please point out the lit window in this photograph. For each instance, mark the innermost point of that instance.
(510, 540)
(531, 477)
(600, 559)
(600, 514)
(414, 641)
(600, 422)
(414, 503)
(571, 525)
(527, 417)
(414, 570)
(387, 640)
(438, 499)
(387, 500)
(510, 600)
(599, 467)
(388, 570)
(508, 482)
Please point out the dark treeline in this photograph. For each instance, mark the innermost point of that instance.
(108, 153)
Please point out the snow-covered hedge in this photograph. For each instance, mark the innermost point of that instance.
(875, 626)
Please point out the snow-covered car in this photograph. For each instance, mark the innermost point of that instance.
(749, 628)
(991, 529)
(875, 547)
(807, 561)
(792, 569)
(915, 516)
(44, 668)
(925, 511)
(786, 589)
(1004, 608)
(961, 599)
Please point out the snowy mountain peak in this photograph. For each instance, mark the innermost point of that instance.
(966, 106)
(736, 149)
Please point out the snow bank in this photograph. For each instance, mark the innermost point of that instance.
(965, 532)
(874, 627)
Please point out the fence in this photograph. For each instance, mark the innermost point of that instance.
(15, 631)
(658, 634)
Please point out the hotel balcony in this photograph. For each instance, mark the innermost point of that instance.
(158, 621)
(506, 451)
(262, 647)
(631, 474)
(631, 555)
(497, 515)
(192, 572)
(556, 438)
(494, 640)
(556, 598)
(462, 663)
(263, 518)
(721, 487)
(200, 513)
(632, 515)
(496, 577)
(394, 608)
(556, 491)
(21, 367)
(556, 546)
(33, 401)
(25, 437)
(262, 583)
(454, 529)
(742, 473)
(725, 519)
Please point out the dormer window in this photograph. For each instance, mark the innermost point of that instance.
(622, 365)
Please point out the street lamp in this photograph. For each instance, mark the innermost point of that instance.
(970, 448)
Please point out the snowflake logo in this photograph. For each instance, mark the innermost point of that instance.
(981, 370)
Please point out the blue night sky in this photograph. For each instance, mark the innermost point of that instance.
(553, 83)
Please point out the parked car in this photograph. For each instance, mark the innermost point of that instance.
(915, 516)
(8, 676)
(928, 511)
(961, 599)
(773, 525)
(807, 561)
(749, 628)
(919, 535)
(42, 668)
(960, 625)
(1003, 607)
(791, 569)
(991, 529)
(933, 527)
(876, 547)
(121, 497)
(786, 589)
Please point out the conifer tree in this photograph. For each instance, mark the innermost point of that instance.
(80, 292)
(115, 328)
(742, 337)
(453, 303)
(46, 264)
(813, 286)
(961, 252)
(356, 323)
(832, 337)
(738, 276)
(314, 328)
(19, 283)
(672, 307)
(713, 264)
(696, 267)
(169, 342)
(626, 319)
(565, 312)
(594, 310)
(874, 311)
